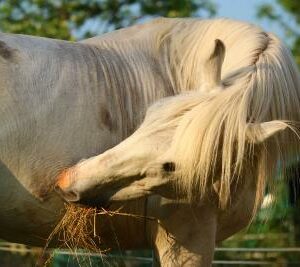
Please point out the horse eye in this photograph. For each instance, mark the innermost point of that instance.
(169, 166)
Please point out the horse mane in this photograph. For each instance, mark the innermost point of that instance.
(260, 83)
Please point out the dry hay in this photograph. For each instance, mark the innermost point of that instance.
(77, 230)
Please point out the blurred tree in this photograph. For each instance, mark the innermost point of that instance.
(75, 19)
(290, 24)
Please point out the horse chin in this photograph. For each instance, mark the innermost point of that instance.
(99, 203)
(88, 198)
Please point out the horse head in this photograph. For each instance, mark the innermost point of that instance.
(143, 164)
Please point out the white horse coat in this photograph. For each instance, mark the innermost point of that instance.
(61, 102)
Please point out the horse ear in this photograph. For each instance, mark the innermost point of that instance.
(213, 65)
(260, 132)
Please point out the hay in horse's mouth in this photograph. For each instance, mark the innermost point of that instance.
(77, 229)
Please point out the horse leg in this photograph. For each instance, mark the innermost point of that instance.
(169, 253)
(186, 237)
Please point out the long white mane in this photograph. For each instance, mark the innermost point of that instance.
(260, 82)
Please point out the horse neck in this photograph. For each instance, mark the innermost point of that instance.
(132, 78)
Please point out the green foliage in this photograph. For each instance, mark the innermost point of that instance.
(273, 227)
(74, 19)
(290, 25)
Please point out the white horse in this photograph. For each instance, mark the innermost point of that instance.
(61, 102)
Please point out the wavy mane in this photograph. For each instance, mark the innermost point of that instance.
(260, 83)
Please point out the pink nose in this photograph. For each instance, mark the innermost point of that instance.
(64, 186)
(63, 180)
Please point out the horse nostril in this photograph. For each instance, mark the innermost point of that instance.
(169, 166)
(68, 195)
